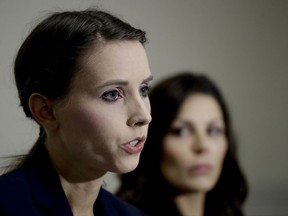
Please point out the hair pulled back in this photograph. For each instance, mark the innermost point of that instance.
(48, 58)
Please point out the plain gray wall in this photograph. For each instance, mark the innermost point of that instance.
(242, 45)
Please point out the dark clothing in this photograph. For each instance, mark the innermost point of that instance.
(35, 189)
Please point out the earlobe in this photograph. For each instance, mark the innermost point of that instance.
(42, 110)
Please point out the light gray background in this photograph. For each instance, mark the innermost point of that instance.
(242, 45)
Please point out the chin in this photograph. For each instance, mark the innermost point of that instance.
(125, 170)
(204, 187)
(127, 166)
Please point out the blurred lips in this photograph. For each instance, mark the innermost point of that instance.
(200, 169)
(134, 146)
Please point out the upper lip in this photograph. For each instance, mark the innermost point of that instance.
(139, 139)
(203, 165)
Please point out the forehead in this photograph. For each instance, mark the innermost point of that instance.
(200, 107)
(113, 60)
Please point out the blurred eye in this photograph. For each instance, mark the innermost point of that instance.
(180, 131)
(111, 96)
(215, 131)
(144, 91)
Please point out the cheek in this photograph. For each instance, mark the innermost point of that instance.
(148, 105)
(173, 155)
(174, 162)
(83, 119)
(223, 148)
(220, 153)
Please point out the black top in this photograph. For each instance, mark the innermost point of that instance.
(35, 189)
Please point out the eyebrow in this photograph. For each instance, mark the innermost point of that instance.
(191, 123)
(149, 79)
(184, 122)
(123, 82)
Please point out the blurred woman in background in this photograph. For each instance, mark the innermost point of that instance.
(189, 165)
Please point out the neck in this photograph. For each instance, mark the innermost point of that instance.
(190, 204)
(80, 184)
(81, 196)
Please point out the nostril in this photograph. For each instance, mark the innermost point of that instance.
(143, 122)
(139, 121)
(139, 124)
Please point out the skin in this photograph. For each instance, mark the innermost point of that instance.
(194, 150)
(106, 107)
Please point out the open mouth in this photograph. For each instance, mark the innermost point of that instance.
(134, 142)
(135, 146)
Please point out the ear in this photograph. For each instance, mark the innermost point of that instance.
(42, 110)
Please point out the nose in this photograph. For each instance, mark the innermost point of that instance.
(200, 143)
(139, 112)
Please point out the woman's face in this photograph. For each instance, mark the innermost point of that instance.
(102, 124)
(194, 149)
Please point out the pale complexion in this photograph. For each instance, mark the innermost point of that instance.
(193, 152)
(89, 132)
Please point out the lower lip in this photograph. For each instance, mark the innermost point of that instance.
(133, 149)
(200, 169)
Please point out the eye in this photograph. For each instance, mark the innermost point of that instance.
(215, 131)
(144, 91)
(112, 96)
(180, 131)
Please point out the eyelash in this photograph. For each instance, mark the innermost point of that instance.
(107, 95)
(218, 130)
(144, 91)
(178, 131)
(184, 131)
(115, 94)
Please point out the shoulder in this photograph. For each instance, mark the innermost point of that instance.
(113, 204)
(15, 192)
(13, 182)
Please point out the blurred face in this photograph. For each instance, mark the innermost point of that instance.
(194, 149)
(104, 120)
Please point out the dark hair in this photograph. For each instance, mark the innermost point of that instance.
(51, 55)
(48, 58)
(146, 188)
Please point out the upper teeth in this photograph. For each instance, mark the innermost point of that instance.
(133, 143)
